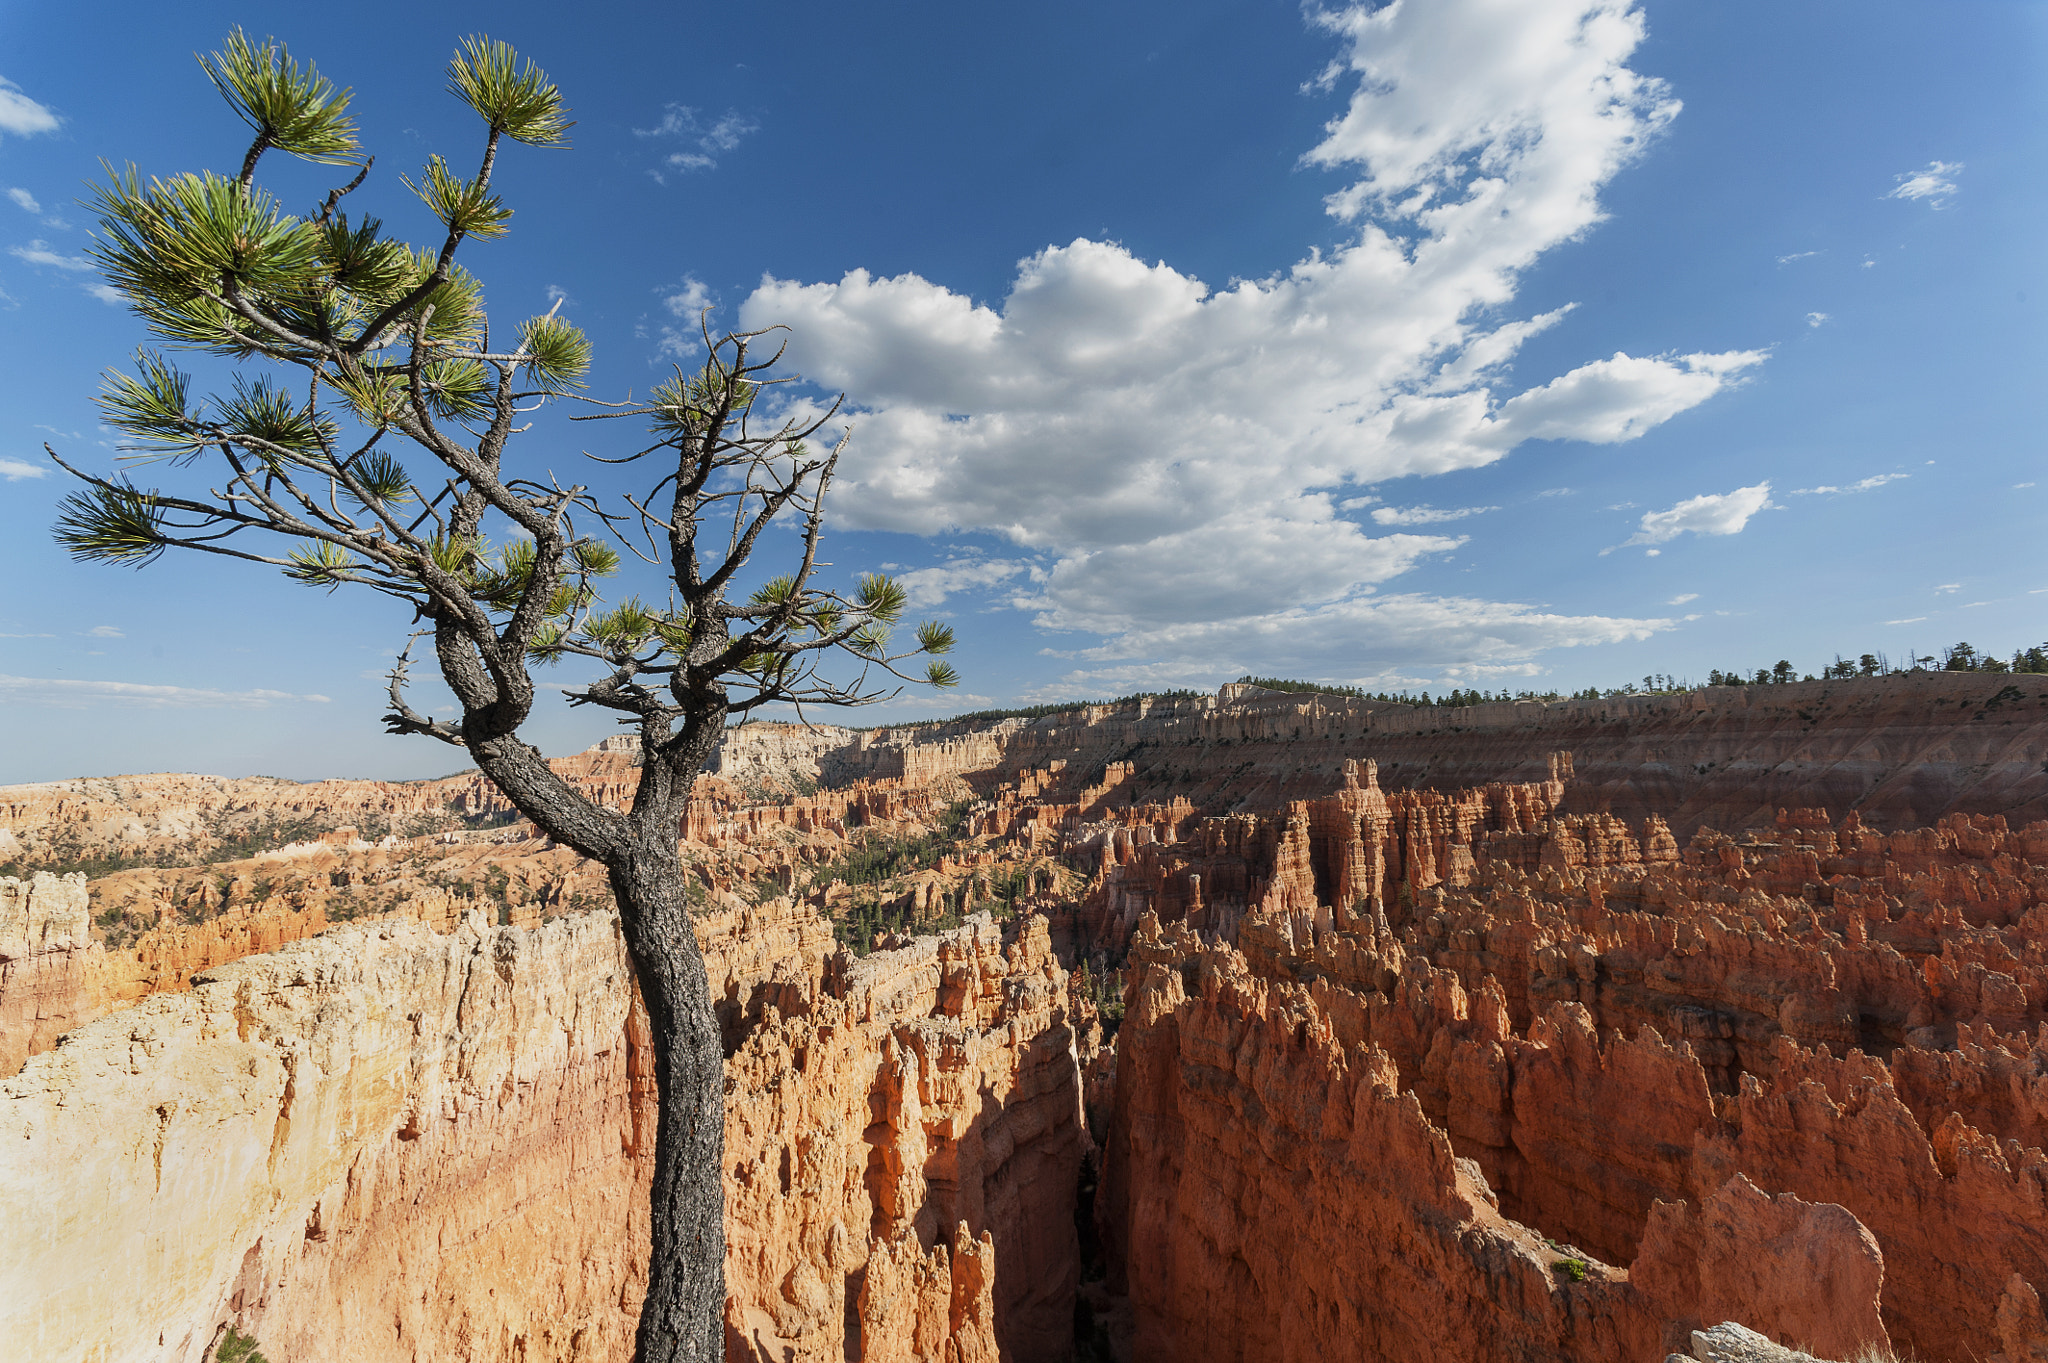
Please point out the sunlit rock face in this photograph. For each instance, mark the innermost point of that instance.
(392, 1143)
(1544, 1032)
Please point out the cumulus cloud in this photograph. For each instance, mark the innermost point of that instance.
(1426, 515)
(702, 143)
(1814, 319)
(1861, 485)
(25, 200)
(14, 470)
(1936, 183)
(71, 694)
(21, 115)
(930, 586)
(1176, 449)
(1714, 513)
(1682, 598)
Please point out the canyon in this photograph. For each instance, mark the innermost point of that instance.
(1256, 1025)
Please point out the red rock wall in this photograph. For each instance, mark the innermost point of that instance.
(1271, 1192)
(1853, 1020)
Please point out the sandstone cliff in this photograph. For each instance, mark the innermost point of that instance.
(1271, 1192)
(48, 964)
(391, 1143)
(1855, 1021)
(1596, 1075)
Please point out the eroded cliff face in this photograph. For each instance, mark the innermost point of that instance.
(1519, 1069)
(1272, 1192)
(1616, 1043)
(49, 964)
(392, 1143)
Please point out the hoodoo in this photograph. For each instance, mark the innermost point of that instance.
(1187, 1029)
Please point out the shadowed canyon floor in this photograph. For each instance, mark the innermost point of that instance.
(1261, 1026)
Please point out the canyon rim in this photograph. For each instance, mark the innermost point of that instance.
(1168, 1029)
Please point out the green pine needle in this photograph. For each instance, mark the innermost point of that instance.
(516, 100)
(557, 353)
(295, 110)
(152, 407)
(465, 206)
(383, 478)
(320, 564)
(882, 598)
(112, 524)
(595, 558)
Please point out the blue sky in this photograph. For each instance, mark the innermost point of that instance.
(1509, 343)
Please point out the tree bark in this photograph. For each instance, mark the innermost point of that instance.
(684, 1314)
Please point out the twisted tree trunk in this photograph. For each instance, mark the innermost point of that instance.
(683, 1318)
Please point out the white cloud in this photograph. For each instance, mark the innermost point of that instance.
(557, 294)
(105, 632)
(14, 470)
(704, 144)
(1139, 426)
(39, 253)
(107, 294)
(1557, 492)
(1425, 515)
(1814, 319)
(1862, 485)
(1412, 635)
(1682, 598)
(21, 115)
(682, 339)
(1797, 255)
(1714, 513)
(70, 694)
(930, 586)
(1869, 262)
(25, 200)
(1909, 620)
(1936, 183)
(2018, 486)
(1948, 588)
(27, 636)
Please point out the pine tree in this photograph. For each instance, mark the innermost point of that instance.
(368, 441)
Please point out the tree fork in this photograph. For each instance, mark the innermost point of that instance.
(314, 296)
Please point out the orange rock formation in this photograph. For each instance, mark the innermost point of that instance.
(389, 1143)
(1440, 1042)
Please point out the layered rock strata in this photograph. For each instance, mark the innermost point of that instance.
(49, 980)
(1853, 1019)
(393, 1143)
(1904, 750)
(1272, 1192)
